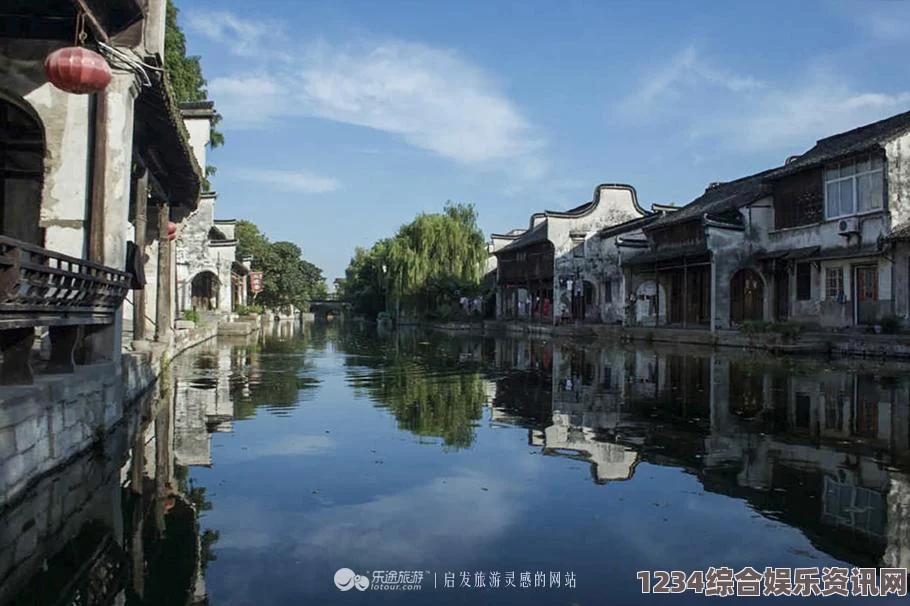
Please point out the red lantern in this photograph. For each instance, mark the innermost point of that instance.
(171, 230)
(77, 70)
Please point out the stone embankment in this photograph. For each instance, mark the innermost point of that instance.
(46, 425)
(806, 343)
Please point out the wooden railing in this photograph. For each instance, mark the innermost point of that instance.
(41, 288)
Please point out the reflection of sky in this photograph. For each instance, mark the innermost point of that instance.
(336, 484)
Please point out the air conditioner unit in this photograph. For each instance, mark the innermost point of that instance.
(848, 226)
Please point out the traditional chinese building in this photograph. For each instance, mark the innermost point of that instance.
(811, 240)
(91, 187)
(830, 253)
(209, 278)
(541, 273)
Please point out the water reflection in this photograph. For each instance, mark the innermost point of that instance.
(120, 524)
(814, 445)
(261, 467)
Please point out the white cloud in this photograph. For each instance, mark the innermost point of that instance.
(432, 99)
(745, 114)
(682, 74)
(242, 37)
(793, 118)
(287, 180)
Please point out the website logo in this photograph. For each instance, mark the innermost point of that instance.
(346, 579)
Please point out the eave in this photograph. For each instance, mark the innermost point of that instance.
(165, 142)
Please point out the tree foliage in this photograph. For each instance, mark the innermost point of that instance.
(185, 75)
(431, 260)
(287, 279)
(414, 382)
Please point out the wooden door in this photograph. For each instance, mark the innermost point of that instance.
(865, 293)
(746, 295)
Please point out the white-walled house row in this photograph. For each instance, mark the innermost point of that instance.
(810, 241)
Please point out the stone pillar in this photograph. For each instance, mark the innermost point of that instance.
(111, 200)
(140, 219)
(163, 306)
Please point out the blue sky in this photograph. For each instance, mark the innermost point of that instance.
(345, 119)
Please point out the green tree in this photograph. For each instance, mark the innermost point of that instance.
(428, 264)
(287, 278)
(185, 75)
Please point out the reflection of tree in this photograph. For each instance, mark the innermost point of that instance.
(431, 404)
(196, 496)
(274, 377)
(209, 538)
(420, 379)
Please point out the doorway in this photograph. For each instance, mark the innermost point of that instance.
(746, 297)
(865, 293)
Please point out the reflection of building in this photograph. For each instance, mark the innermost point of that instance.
(609, 461)
(111, 529)
(204, 403)
(810, 445)
(833, 432)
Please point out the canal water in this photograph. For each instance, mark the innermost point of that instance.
(347, 466)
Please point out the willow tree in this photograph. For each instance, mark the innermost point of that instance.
(436, 256)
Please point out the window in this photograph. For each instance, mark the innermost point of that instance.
(834, 283)
(608, 378)
(854, 186)
(803, 282)
(579, 250)
(608, 291)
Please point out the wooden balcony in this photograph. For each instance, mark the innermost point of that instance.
(41, 288)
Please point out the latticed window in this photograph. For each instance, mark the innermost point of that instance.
(834, 283)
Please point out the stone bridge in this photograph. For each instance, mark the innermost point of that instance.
(324, 308)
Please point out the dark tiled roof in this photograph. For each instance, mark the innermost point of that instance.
(532, 236)
(578, 210)
(850, 142)
(161, 127)
(719, 199)
(621, 228)
(197, 105)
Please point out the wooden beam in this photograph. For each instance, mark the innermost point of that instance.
(92, 21)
